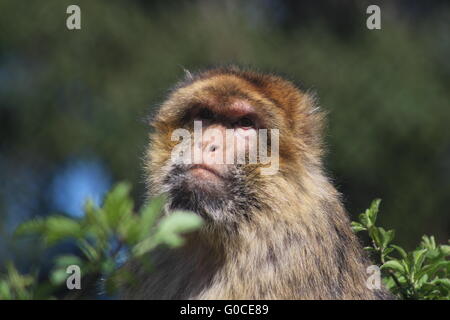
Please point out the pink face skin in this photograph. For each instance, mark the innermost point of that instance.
(226, 141)
(220, 147)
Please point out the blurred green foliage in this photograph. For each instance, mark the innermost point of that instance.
(74, 94)
(14, 285)
(107, 237)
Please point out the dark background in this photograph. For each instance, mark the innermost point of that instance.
(73, 103)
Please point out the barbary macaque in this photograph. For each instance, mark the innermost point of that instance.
(275, 227)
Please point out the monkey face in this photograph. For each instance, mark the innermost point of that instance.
(209, 170)
(206, 151)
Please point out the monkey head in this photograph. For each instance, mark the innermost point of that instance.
(223, 139)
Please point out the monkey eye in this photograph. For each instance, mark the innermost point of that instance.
(245, 123)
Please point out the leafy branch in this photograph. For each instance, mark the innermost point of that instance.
(106, 236)
(419, 274)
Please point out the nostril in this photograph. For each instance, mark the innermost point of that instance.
(212, 148)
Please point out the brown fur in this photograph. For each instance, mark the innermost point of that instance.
(293, 241)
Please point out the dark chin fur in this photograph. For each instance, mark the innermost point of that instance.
(228, 202)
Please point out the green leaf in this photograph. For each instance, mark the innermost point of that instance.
(118, 204)
(364, 220)
(129, 230)
(442, 282)
(149, 214)
(369, 217)
(386, 237)
(422, 279)
(95, 220)
(428, 242)
(418, 258)
(58, 276)
(431, 269)
(400, 250)
(90, 252)
(58, 228)
(433, 254)
(53, 228)
(389, 283)
(136, 228)
(171, 226)
(15, 285)
(387, 251)
(373, 211)
(394, 265)
(445, 249)
(5, 291)
(356, 227)
(169, 230)
(374, 234)
(30, 227)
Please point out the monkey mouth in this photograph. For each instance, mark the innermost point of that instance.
(206, 168)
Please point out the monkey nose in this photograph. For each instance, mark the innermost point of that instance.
(213, 148)
(210, 153)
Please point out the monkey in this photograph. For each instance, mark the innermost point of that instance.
(284, 235)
